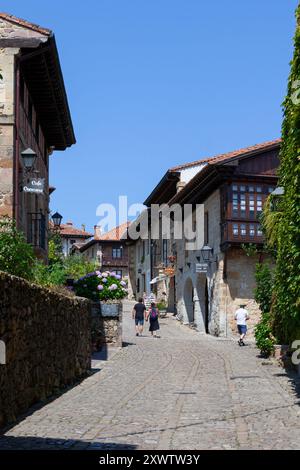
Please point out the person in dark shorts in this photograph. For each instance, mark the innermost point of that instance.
(152, 316)
(138, 314)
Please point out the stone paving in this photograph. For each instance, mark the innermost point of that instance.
(184, 390)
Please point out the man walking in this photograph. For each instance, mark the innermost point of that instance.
(138, 314)
(241, 316)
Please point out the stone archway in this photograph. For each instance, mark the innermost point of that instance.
(188, 297)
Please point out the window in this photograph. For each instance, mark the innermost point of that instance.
(270, 189)
(117, 252)
(251, 205)
(243, 204)
(235, 230)
(243, 230)
(118, 272)
(242, 189)
(259, 203)
(252, 230)
(235, 204)
(251, 189)
(258, 189)
(206, 228)
(72, 241)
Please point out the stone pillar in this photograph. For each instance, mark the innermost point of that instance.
(198, 312)
(7, 121)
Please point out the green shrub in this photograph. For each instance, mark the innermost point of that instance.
(48, 276)
(16, 255)
(264, 339)
(77, 266)
(264, 287)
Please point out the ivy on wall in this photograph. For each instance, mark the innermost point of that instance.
(286, 300)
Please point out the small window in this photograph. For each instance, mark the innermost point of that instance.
(235, 230)
(72, 241)
(234, 187)
(118, 272)
(117, 252)
(259, 203)
(242, 189)
(252, 230)
(251, 189)
(270, 189)
(258, 189)
(243, 230)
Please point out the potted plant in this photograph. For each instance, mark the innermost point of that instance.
(162, 307)
(106, 288)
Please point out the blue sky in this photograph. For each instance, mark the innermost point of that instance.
(155, 83)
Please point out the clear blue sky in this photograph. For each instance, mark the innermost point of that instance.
(154, 83)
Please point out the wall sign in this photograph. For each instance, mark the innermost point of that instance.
(201, 267)
(35, 186)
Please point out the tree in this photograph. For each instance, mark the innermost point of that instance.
(286, 305)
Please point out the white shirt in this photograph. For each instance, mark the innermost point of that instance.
(241, 316)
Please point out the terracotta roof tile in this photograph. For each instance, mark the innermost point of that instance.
(227, 156)
(25, 24)
(115, 234)
(69, 230)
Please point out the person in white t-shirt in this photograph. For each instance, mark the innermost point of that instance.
(241, 316)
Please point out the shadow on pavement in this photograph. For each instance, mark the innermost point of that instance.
(43, 443)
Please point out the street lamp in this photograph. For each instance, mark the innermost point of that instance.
(57, 218)
(29, 158)
(276, 197)
(206, 252)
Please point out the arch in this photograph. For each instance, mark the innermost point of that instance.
(188, 297)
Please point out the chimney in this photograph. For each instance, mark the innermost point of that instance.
(180, 185)
(83, 227)
(69, 223)
(97, 231)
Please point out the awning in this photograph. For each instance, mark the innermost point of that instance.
(158, 278)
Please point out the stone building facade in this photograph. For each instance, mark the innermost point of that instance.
(34, 114)
(229, 192)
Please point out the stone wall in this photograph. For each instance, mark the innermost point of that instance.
(106, 325)
(47, 340)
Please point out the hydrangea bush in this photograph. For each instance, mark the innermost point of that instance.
(101, 286)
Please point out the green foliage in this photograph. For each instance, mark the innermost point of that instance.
(265, 341)
(286, 306)
(271, 222)
(16, 255)
(55, 254)
(250, 249)
(162, 305)
(264, 286)
(48, 276)
(77, 266)
(101, 286)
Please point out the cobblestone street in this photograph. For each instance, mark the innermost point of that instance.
(181, 391)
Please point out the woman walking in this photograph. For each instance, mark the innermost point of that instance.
(152, 315)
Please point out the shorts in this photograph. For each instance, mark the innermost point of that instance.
(139, 321)
(242, 329)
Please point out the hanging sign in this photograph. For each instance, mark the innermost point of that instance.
(35, 186)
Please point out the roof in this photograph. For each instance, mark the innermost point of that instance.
(25, 24)
(223, 157)
(116, 233)
(68, 230)
(40, 67)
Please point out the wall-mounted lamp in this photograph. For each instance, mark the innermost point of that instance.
(28, 157)
(206, 253)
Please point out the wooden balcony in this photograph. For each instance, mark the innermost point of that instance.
(109, 261)
(236, 232)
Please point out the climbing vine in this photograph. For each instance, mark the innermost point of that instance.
(285, 309)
